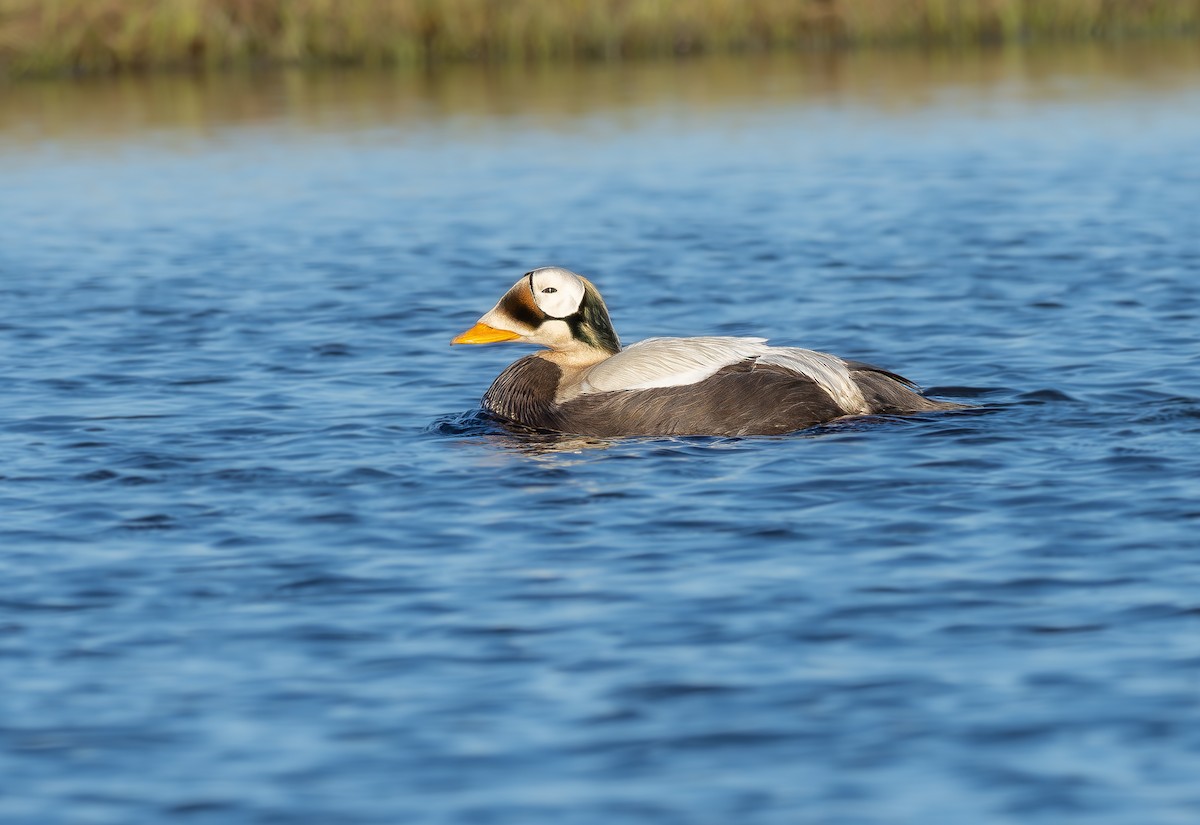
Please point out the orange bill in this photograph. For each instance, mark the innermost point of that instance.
(481, 333)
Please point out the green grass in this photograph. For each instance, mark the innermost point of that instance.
(102, 36)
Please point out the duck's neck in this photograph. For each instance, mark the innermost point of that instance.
(573, 365)
(575, 359)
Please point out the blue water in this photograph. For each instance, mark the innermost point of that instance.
(261, 562)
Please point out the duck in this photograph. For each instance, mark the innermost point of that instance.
(584, 383)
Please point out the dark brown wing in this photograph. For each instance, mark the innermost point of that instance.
(740, 399)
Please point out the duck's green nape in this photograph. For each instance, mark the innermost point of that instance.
(592, 325)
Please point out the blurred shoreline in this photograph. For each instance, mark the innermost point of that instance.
(391, 105)
(101, 37)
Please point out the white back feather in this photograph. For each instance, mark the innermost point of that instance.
(676, 362)
(829, 371)
(669, 362)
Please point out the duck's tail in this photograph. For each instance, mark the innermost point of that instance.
(889, 393)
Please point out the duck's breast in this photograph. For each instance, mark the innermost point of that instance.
(524, 393)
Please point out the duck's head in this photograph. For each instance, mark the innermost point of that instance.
(550, 306)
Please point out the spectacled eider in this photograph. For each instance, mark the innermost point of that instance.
(585, 383)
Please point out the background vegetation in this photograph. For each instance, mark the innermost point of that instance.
(55, 36)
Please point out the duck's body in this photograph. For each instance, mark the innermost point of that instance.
(586, 384)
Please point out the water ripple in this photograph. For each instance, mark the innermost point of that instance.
(264, 559)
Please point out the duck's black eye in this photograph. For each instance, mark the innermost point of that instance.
(548, 290)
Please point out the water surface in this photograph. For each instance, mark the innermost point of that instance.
(262, 562)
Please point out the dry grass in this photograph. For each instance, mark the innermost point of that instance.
(53, 36)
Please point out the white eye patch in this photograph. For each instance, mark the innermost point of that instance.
(558, 292)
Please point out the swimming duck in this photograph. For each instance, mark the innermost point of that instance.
(586, 383)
